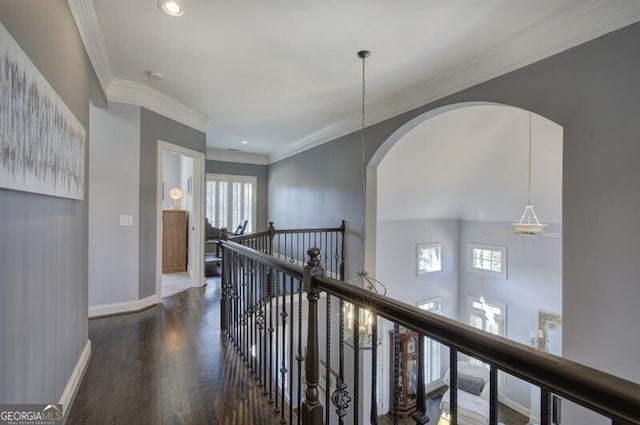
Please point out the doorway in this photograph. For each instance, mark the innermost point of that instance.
(179, 220)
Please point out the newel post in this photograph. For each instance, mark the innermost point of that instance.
(311, 407)
(271, 232)
(226, 273)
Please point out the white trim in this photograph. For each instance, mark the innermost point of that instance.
(584, 23)
(126, 91)
(91, 34)
(515, 406)
(133, 93)
(71, 389)
(197, 278)
(122, 307)
(235, 156)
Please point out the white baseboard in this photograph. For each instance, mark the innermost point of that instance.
(123, 307)
(70, 390)
(533, 420)
(515, 406)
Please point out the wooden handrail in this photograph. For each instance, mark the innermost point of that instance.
(596, 390)
(273, 262)
(311, 230)
(599, 391)
(246, 236)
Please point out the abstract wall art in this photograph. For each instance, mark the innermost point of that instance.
(42, 144)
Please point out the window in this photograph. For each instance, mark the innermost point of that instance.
(429, 258)
(231, 200)
(490, 260)
(432, 348)
(490, 317)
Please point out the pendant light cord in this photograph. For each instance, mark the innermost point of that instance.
(363, 170)
(529, 187)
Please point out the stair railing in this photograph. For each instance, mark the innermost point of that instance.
(267, 325)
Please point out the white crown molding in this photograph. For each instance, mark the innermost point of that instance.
(133, 93)
(588, 21)
(234, 156)
(124, 91)
(73, 384)
(120, 308)
(91, 34)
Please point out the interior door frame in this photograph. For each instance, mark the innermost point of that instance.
(197, 224)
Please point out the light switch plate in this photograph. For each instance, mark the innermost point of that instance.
(126, 220)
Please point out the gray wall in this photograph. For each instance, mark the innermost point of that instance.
(319, 188)
(593, 91)
(154, 127)
(113, 249)
(43, 240)
(396, 261)
(238, 169)
(534, 282)
(396, 268)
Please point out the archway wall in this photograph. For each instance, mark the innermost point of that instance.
(593, 92)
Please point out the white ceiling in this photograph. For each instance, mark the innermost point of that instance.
(283, 75)
(472, 164)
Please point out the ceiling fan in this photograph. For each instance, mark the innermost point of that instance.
(529, 226)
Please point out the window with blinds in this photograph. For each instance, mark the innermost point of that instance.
(230, 201)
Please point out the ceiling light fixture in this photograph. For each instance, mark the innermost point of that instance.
(529, 225)
(156, 75)
(171, 7)
(361, 325)
(244, 142)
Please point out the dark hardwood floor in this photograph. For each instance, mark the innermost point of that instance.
(168, 365)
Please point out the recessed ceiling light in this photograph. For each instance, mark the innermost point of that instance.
(171, 7)
(244, 142)
(156, 75)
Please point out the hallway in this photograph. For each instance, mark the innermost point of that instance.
(168, 365)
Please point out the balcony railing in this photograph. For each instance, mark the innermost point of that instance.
(279, 316)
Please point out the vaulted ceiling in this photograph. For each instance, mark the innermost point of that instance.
(283, 75)
(472, 164)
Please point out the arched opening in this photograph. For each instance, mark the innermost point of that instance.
(448, 187)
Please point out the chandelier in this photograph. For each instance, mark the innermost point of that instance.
(360, 321)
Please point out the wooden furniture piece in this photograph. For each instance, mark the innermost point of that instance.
(174, 241)
(408, 372)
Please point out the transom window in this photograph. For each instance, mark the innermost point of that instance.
(488, 259)
(429, 258)
(231, 200)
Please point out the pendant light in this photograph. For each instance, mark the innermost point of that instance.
(529, 225)
(362, 327)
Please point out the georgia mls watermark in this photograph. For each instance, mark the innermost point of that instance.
(30, 414)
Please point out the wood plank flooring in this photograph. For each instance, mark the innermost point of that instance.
(168, 365)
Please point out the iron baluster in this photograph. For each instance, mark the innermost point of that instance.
(493, 395)
(374, 370)
(396, 372)
(453, 385)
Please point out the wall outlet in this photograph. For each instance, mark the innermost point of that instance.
(126, 220)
